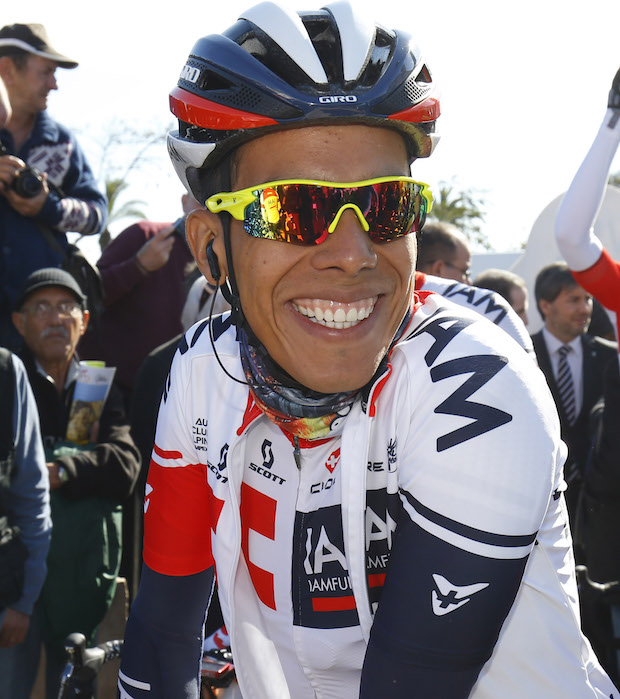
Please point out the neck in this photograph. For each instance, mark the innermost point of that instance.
(562, 337)
(20, 126)
(58, 372)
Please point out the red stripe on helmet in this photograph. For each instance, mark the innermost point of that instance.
(428, 110)
(199, 111)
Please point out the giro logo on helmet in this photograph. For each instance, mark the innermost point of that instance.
(330, 99)
(190, 74)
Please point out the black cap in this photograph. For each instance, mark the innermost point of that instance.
(33, 39)
(49, 276)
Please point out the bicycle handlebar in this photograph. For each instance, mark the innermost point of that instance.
(83, 665)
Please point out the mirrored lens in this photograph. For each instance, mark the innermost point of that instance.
(302, 213)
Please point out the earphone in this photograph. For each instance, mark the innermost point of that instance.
(214, 265)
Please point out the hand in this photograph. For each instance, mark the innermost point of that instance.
(155, 252)
(14, 628)
(53, 472)
(10, 166)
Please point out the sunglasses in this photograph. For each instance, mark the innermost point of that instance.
(305, 212)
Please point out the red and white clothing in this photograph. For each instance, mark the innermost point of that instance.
(302, 555)
(592, 266)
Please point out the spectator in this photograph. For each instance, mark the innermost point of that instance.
(443, 251)
(143, 271)
(87, 482)
(33, 228)
(24, 503)
(509, 285)
(572, 361)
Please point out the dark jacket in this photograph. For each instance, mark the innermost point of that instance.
(111, 469)
(75, 203)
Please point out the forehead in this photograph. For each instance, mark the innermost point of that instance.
(332, 153)
(40, 64)
(52, 294)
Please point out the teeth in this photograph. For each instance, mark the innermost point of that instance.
(333, 314)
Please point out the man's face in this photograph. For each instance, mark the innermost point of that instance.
(51, 334)
(518, 300)
(569, 314)
(457, 267)
(281, 284)
(29, 87)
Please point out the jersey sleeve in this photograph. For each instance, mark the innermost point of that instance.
(577, 214)
(602, 280)
(178, 498)
(479, 469)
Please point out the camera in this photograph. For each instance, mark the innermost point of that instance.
(28, 183)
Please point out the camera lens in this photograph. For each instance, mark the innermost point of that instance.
(27, 183)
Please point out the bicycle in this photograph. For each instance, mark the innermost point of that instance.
(83, 665)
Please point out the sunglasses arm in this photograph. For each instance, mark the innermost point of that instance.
(233, 202)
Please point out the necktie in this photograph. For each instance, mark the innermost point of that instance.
(565, 385)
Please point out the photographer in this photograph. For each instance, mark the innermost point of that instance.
(46, 186)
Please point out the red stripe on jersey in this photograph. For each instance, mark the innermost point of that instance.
(252, 411)
(258, 513)
(167, 454)
(179, 511)
(376, 580)
(333, 604)
(420, 280)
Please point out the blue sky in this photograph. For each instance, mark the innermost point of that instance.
(524, 87)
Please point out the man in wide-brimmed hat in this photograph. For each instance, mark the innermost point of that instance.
(46, 185)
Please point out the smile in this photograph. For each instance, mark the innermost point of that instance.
(335, 314)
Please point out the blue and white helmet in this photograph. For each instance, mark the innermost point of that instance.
(277, 69)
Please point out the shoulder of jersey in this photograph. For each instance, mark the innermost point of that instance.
(480, 335)
(199, 339)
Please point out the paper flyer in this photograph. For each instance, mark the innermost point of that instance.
(91, 390)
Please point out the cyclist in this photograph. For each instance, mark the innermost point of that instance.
(590, 262)
(373, 472)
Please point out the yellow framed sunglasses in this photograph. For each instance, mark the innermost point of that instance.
(305, 212)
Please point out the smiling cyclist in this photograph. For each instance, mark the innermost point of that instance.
(372, 475)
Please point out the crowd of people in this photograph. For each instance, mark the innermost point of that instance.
(246, 395)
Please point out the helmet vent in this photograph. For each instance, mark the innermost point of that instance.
(409, 94)
(379, 58)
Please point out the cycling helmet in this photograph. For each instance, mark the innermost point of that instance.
(277, 69)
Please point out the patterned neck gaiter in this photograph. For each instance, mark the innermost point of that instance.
(298, 410)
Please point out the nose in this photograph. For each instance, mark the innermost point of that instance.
(348, 248)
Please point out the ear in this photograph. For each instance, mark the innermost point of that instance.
(543, 307)
(7, 70)
(19, 321)
(85, 320)
(436, 269)
(201, 228)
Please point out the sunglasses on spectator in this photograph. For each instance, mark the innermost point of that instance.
(305, 212)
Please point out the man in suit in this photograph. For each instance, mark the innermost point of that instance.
(573, 363)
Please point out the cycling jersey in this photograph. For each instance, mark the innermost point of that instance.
(437, 511)
(486, 302)
(583, 251)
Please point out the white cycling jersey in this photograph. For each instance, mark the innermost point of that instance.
(459, 442)
(484, 301)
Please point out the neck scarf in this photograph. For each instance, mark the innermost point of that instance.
(300, 411)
